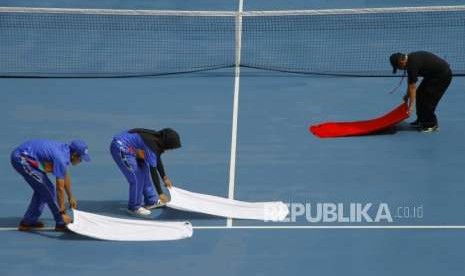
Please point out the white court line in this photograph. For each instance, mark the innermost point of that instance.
(8, 228)
(232, 162)
(4, 229)
(315, 227)
(306, 227)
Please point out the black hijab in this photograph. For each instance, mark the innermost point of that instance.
(159, 141)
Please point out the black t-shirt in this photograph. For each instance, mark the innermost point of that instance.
(425, 64)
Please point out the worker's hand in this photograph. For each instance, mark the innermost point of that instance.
(48, 167)
(164, 199)
(67, 219)
(406, 98)
(167, 181)
(410, 109)
(140, 154)
(72, 202)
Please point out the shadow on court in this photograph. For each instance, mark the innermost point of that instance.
(395, 129)
(118, 208)
(70, 236)
(107, 207)
(47, 233)
(172, 214)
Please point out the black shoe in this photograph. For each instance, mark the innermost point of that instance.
(61, 228)
(429, 129)
(415, 124)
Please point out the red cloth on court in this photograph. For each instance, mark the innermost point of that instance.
(341, 129)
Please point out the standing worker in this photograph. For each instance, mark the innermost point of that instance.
(137, 153)
(33, 160)
(436, 75)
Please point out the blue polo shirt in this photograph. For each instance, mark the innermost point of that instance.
(48, 151)
(134, 141)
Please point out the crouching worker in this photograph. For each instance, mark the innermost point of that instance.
(437, 76)
(137, 153)
(33, 160)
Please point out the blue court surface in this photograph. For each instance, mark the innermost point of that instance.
(412, 184)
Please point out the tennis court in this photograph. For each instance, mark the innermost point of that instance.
(418, 177)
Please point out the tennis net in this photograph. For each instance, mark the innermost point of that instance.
(114, 43)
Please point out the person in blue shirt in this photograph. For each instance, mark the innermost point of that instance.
(137, 153)
(33, 160)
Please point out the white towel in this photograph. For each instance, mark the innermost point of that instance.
(115, 229)
(223, 207)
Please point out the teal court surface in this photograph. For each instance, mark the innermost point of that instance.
(418, 178)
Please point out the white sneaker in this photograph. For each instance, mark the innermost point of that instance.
(157, 204)
(430, 129)
(140, 212)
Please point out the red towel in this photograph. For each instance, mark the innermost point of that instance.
(341, 129)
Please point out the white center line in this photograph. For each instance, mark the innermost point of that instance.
(232, 163)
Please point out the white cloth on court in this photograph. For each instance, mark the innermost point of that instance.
(116, 229)
(224, 207)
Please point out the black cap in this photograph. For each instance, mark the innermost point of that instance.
(394, 59)
(170, 138)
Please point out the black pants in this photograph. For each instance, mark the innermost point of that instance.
(429, 93)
